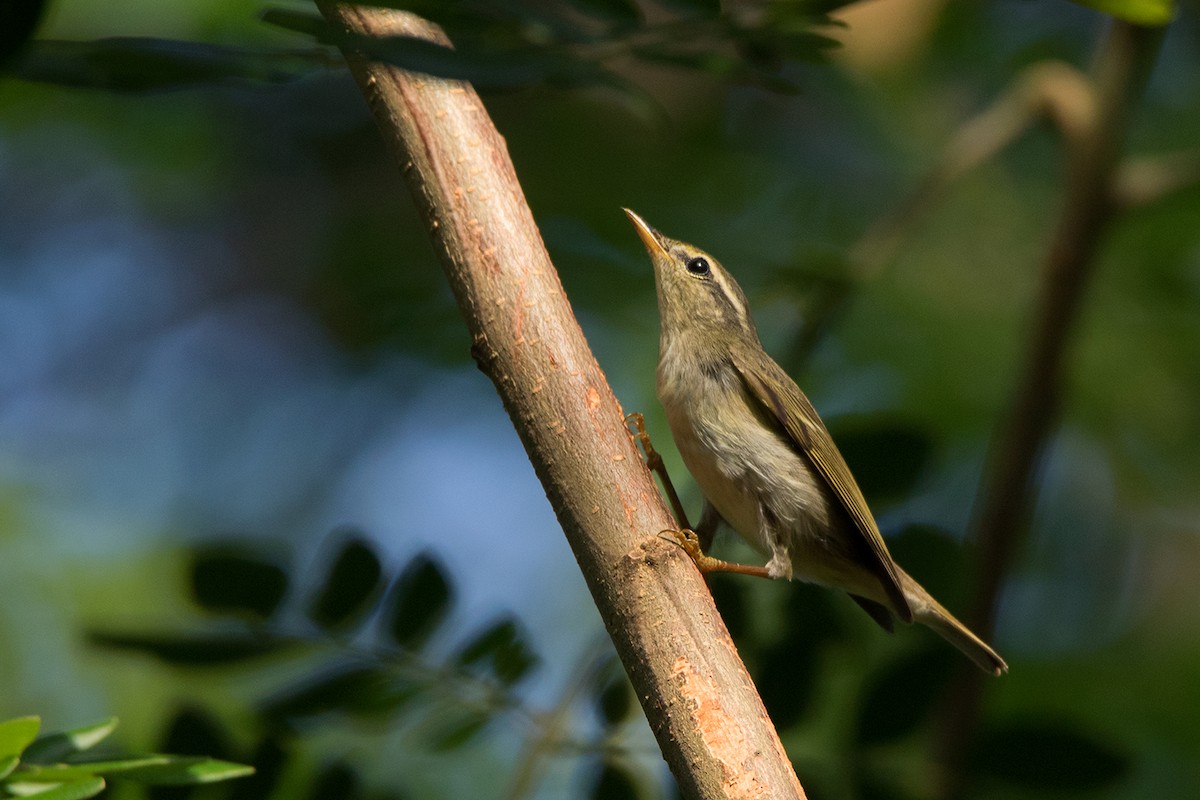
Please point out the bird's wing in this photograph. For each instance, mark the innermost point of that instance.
(781, 397)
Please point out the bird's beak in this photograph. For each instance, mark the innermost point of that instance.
(650, 237)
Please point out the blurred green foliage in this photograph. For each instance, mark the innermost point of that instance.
(264, 187)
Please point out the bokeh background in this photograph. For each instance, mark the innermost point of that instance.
(223, 331)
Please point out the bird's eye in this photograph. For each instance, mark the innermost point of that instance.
(698, 266)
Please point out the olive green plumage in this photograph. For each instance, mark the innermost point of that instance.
(764, 460)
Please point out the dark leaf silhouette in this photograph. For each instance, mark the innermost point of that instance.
(269, 760)
(228, 580)
(612, 781)
(501, 647)
(457, 729)
(886, 456)
(729, 594)
(787, 679)
(353, 583)
(613, 696)
(352, 689)
(1042, 755)
(337, 781)
(195, 649)
(136, 64)
(420, 600)
(901, 697)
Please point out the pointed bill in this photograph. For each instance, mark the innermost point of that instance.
(650, 237)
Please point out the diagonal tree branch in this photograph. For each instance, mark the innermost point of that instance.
(710, 723)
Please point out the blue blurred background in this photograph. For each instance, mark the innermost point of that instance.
(220, 320)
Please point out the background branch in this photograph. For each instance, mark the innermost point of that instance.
(1008, 491)
(710, 724)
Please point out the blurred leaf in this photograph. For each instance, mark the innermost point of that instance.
(612, 695)
(421, 598)
(809, 615)
(353, 583)
(1042, 755)
(787, 679)
(336, 781)
(729, 594)
(932, 556)
(617, 10)
(457, 729)
(887, 456)
(17, 734)
(75, 790)
(354, 689)
(7, 765)
(57, 746)
(502, 647)
(901, 696)
(188, 770)
(194, 731)
(269, 759)
(1152, 13)
(197, 650)
(18, 20)
(706, 8)
(484, 66)
(131, 64)
(613, 782)
(228, 580)
(154, 769)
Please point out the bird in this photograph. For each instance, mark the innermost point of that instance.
(764, 460)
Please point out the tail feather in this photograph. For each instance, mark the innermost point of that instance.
(930, 613)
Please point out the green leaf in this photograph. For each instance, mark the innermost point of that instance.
(57, 746)
(613, 782)
(1042, 755)
(133, 64)
(903, 695)
(17, 734)
(195, 650)
(502, 648)
(228, 580)
(616, 10)
(704, 8)
(457, 730)
(336, 781)
(75, 790)
(363, 690)
(1152, 13)
(787, 679)
(612, 695)
(887, 456)
(187, 771)
(421, 598)
(353, 582)
(7, 765)
(20, 21)
(158, 770)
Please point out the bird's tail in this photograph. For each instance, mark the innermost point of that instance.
(928, 611)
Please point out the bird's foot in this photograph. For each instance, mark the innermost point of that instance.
(687, 539)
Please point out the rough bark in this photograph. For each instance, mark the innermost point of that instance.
(701, 704)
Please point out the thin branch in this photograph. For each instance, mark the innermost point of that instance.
(710, 723)
(1050, 90)
(1008, 489)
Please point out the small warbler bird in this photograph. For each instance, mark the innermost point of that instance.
(760, 453)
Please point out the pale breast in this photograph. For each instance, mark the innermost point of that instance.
(755, 477)
(746, 469)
